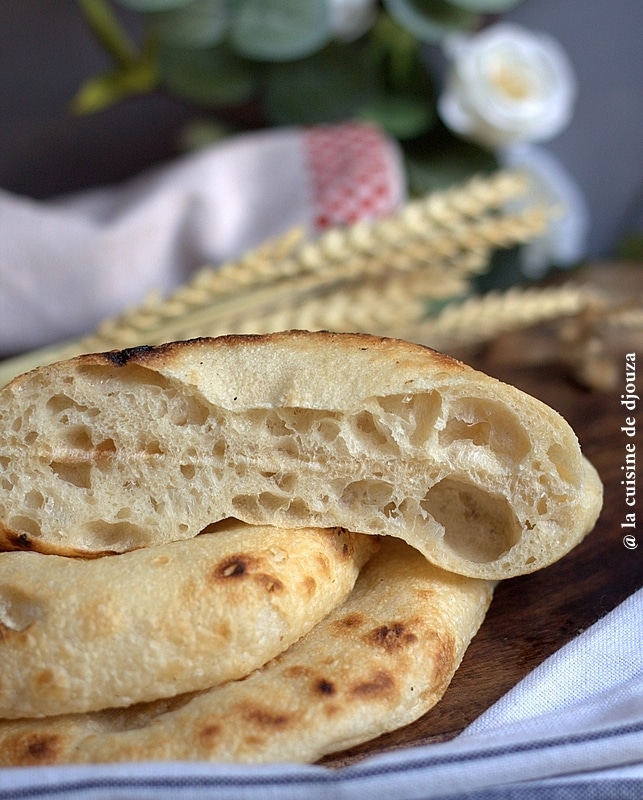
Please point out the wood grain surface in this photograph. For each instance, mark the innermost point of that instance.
(532, 616)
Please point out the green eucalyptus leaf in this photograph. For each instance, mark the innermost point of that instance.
(486, 6)
(213, 76)
(430, 20)
(106, 27)
(402, 117)
(330, 86)
(107, 89)
(199, 24)
(280, 30)
(403, 102)
(153, 5)
(503, 272)
(440, 160)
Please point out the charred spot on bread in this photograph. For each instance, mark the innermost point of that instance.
(233, 567)
(380, 684)
(209, 733)
(265, 717)
(391, 637)
(33, 749)
(19, 541)
(352, 620)
(120, 357)
(325, 687)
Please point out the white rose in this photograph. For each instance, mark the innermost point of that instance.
(349, 19)
(507, 84)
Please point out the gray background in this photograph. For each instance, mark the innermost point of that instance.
(45, 52)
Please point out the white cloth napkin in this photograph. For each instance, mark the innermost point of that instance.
(571, 730)
(67, 264)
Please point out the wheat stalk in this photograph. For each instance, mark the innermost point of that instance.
(462, 252)
(361, 306)
(417, 220)
(479, 319)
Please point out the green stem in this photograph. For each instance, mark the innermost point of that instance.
(109, 32)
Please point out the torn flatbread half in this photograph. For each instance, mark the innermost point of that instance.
(116, 451)
(377, 662)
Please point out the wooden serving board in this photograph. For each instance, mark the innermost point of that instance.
(534, 615)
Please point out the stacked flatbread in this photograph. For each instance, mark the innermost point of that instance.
(260, 548)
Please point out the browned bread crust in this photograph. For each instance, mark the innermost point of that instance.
(115, 451)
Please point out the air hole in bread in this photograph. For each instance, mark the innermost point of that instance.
(297, 420)
(411, 417)
(367, 492)
(34, 499)
(477, 526)
(62, 402)
(187, 411)
(368, 429)
(456, 430)
(327, 430)
(284, 481)
(289, 448)
(275, 425)
(272, 503)
(298, 510)
(188, 471)
(563, 463)
(77, 473)
(391, 510)
(245, 505)
(77, 438)
(18, 611)
(104, 447)
(485, 423)
(22, 524)
(118, 535)
(153, 448)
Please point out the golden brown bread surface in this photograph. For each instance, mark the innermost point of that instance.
(79, 634)
(378, 661)
(115, 451)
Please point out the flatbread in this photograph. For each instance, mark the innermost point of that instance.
(78, 635)
(377, 662)
(115, 451)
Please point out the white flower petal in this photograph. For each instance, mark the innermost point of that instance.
(514, 85)
(564, 243)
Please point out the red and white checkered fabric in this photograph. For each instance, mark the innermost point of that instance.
(354, 172)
